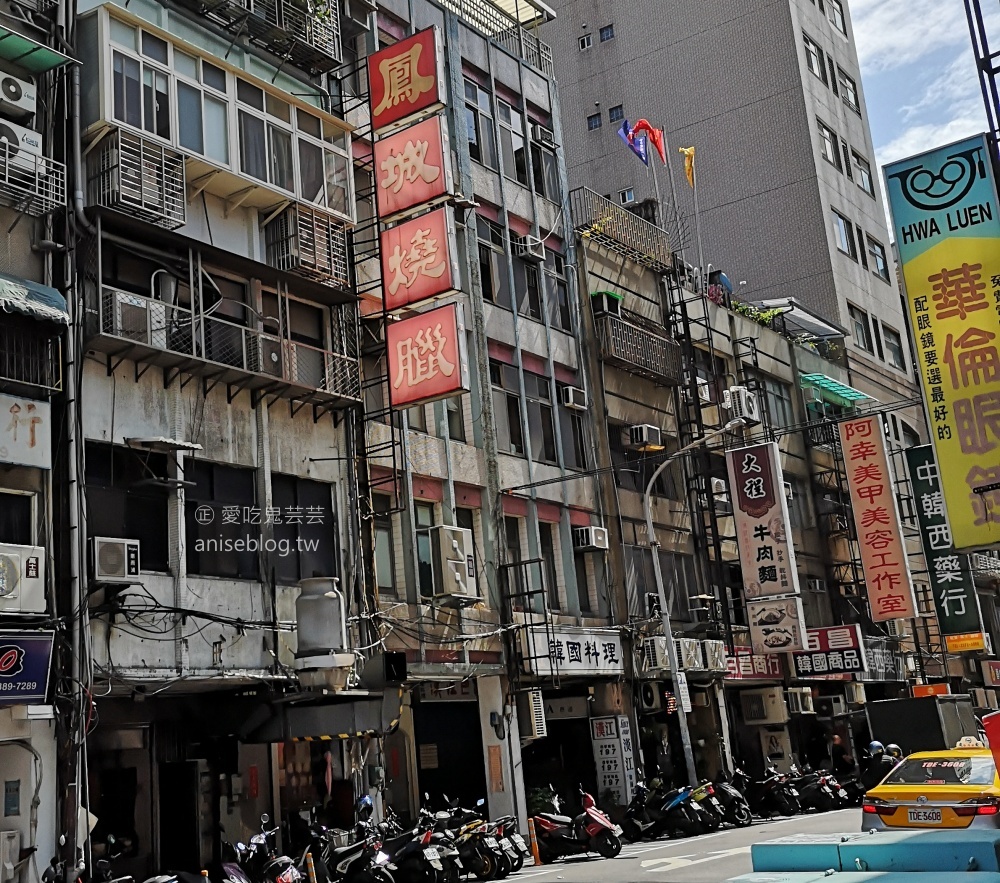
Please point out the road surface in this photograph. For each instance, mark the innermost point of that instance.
(710, 858)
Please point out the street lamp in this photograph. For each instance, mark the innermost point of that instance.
(658, 576)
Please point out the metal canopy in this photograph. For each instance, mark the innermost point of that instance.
(800, 317)
(32, 299)
(526, 12)
(834, 390)
(325, 719)
(29, 54)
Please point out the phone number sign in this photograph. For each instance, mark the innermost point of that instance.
(25, 659)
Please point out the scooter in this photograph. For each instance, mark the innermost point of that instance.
(655, 813)
(771, 795)
(814, 790)
(735, 808)
(707, 805)
(591, 831)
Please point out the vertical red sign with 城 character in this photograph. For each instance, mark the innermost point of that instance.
(876, 518)
(412, 168)
(427, 357)
(418, 260)
(407, 79)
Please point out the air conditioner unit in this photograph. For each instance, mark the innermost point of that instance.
(531, 717)
(594, 538)
(814, 584)
(22, 579)
(454, 564)
(719, 487)
(649, 697)
(605, 303)
(529, 248)
(765, 706)
(140, 319)
(855, 693)
(833, 706)
(17, 97)
(715, 656)
(979, 698)
(574, 398)
(23, 149)
(704, 391)
(543, 135)
(654, 654)
(794, 699)
(810, 394)
(806, 701)
(115, 561)
(984, 564)
(892, 628)
(645, 437)
(742, 403)
(689, 654)
(10, 854)
(265, 355)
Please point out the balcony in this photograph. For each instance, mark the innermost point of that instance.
(177, 338)
(139, 178)
(608, 224)
(639, 350)
(309, 242)
(30, 358)
(33, 184)
(492, 21)
(291, 29)
(824, 436)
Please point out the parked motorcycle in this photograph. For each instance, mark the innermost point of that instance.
(591, 831)
(655, 812)
(815, 792)
(770, 795)
(735, 809)
(707, 805)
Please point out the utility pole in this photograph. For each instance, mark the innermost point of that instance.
(668, 631)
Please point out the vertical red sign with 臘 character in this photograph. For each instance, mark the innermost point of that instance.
(427, 357)
(406, 79)
(418, 260)
(412, 167)
(876, 518)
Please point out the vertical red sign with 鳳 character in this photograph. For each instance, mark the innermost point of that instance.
(407, 78)
(880, 536)
(418, 260)
(412, 167)
(427, 357)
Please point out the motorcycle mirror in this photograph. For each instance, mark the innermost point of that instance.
(481, 801)
(241, 847)
(264, 818)
(427, 796)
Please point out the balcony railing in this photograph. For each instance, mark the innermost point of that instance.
(308, 38)
(639, 350)
(604, 222)
(30, 357)
(151, 331)
(495, 23)
(33, 184)
(823, 435)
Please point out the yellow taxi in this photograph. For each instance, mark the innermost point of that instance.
(937, 789)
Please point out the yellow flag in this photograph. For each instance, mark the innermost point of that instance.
(688, 163)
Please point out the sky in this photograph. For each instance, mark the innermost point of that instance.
(918, 72)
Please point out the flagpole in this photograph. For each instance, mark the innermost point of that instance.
(697, 228)
(673, 196)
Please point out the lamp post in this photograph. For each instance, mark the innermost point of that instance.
(661, 592)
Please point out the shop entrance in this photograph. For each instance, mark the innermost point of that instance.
(564, 759)
(449, 751)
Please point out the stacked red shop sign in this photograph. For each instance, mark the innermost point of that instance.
(413, 183)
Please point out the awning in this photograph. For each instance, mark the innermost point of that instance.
(833, 390)
(32, 299)
(325, 719)
(799, 317)
(29, 54)
(526, 12)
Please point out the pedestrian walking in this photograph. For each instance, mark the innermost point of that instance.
(843, 763)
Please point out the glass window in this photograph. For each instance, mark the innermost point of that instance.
(572, 426)
(456, 419)
(249, 94)
(860, 328)
(281, 169)
(305, 548)
(154, 47)
(385, 578)
(493, 263)
(253, 147)
(541, 428)
(835, 9)
(423, 514)
(507, 408)
(894, 347)
(607, 33)
(557, 291)
(416, 418)
(155, 102)
(185, 64)
(546, 172)
(512, 535)
(189, 117)
(814, 57)
(479, 121)
(880, 265)
(548, 535)
(582, 583)
(829, 144)
(864, 174)
(127, 92)
(616, 113)
(515, 164)
(526, 286)
(217, 126)
(15, 519)
(909, 435)
(779, 403)
(960, 769)
(843, 233)
(213, 76)
(217, 548)
(626, 196)
(849, 90)
(586, 41)
(594, 121)
(123, 34)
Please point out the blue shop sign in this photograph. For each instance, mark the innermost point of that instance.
(25, 659)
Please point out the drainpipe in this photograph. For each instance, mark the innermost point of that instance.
(78, 212)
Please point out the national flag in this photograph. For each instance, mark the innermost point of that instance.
(638, 146)
(655, 137)
(688, 163)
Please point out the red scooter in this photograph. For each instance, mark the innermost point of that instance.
(591, 831)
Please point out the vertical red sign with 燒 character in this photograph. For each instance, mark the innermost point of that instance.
(412, 167)
(406, 78)
(418, 260)
(427, 357)
(876, 518)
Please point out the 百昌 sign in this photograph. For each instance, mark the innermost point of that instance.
(836, 650)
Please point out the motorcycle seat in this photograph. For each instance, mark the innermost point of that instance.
(556, 819)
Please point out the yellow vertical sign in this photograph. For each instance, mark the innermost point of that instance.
(947, 224)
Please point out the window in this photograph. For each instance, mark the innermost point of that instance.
(303, 530)
(507, 408)
(571, 424)
(616, 113)
(835, 10)
(479, 120)
(860, 328)
(814, 57)
(594, 121)
(385, 578)
(779, 403)
(843, 232)
(582, 582)
(416, 418)
(515, 164)
(862, 253)
(586, 41)
(545, 171)
(118, 507)
(849, 91)
(456, 419)
(829, 144)
(626, 196)
(607, 33)
(833, 75)
(846, 153)
(493, 263)
(423, 516)
(541, 429)
(141, 95)
(909, 435)
(556, 291)
(877, 337)
(864, 174)
(512, 536)
(799, 512)
(880, 266)
(16, 523)
(548, 535)
(202, 106)
(894, 347)
(217, 548)
(527, 289)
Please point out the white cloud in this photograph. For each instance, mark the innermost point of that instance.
(927, 136)
(956, 87)
(894, 33)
